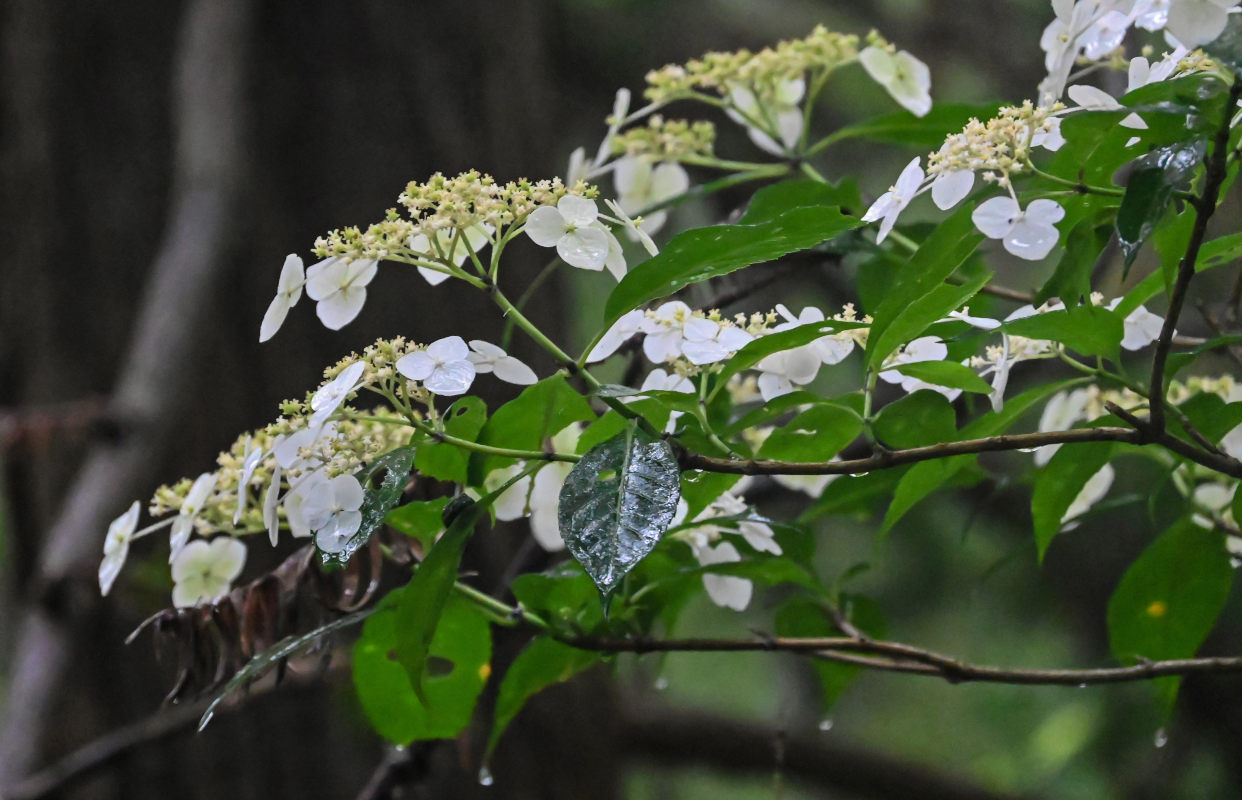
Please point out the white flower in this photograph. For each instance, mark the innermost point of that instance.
(203, 572)
(270, 501)
(661, 381)
(890, 205)
(925, 348)
(831, 349)
(1092, 99)
(339, 288)
(902, 75)
(1048, 135)
(757, 533)
(512, 502)
(1029, 234)
(570, 228)
(449, 246)
(642, 184)
(331, 511)
(116, 547)
(250, 462)
(633, 229)
(778, 107)
(615, 260)
(444, 367)
(539, 497)
(1216, 498)
(781, 372)
(1143, 73)
(665, 329)
(706, 341)
(1063, 410)
(982, 323)
(199, 491)
(1141, 326)
(288, 292)
(488, 357)
(1092, 492)
(304, 449)
(1197, 22)
(295, 501)
(726, 591)
(618, 334)
(331, 395)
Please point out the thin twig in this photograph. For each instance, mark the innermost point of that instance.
(1205, 206)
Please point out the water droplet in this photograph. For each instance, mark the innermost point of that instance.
(1161, 738)
(1235, 562)
(825, 725)
(485, 777)
(1082, 686)
(202, 724)
(661, 683)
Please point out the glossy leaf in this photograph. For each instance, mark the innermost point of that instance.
(772, 201)
(916, 420)
(616, 504)
(538, 413)
(1169, 599)
(816, 434)
(462, 644)
(420, 602)
(464, 419)
(698, 255)
(375, 502)
(1059, 482)
(1149, 192)
(1089, 330)
(421, 519)
(946, 373)
(543, 663)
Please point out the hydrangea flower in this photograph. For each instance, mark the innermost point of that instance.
(902, 75)
(618, 334)
(925, 348)
(253, 457)
(726, 591)
(642, 184)
(444, 367)
(116, 547)
(570, 228)
(1030, 234)
(778, 107)
(331, 395)
(706, 341)
(339, 288)
(665, 329)
(203, 572)
(1197, 22)
(199, 491)
(332, 512)
(891, 203)
(781, 372)
(488, 357)
(1062, 411)
(288, 292)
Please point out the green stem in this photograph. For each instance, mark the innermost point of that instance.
(811, 172)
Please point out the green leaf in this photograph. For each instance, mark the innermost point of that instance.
(816, 434)
(1059, 483)
(1169, 599)
(539, 412)
(916, 420)
(1226, 49)
(925, 477)
(772, 201)
(1090, 330)
(805, 618)
(421, 519)
(919, 133)
(699, 489)
(272, 656)
(616, 504)
(464, 419)
(375, 502)
(797, 336)
(1216, 253)
(563, 596)
(918, 296)
(1149, 193)
(856, 495)
(543, 663)
(698, 255)
(1071, 281)
(421, 601)
(946, 373)
(461, 648)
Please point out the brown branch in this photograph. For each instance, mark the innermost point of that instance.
(1212, 459)
(676, 737)
(209, 95)
(899, 657)
(1205, 207)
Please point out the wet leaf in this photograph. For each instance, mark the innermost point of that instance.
(1149, 193)
(446, 462)
(616, 504)
(538, 413)
(375, 502)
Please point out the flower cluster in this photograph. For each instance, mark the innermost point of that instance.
(666, 139)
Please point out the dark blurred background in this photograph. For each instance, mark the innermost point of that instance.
(159, 159)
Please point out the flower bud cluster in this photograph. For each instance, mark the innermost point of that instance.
(999, 147)
(716, 71)
(666, 140)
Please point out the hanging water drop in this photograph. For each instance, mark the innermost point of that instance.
(661, 683)
(485, 776)
(1082, 686)
(1235, 562)
(1161, 738)
(825, 725)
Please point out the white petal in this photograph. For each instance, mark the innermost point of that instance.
(1031, 240)
(433, 277)
(772, 385)
(488, 352)
(545, 226)
(274, 317)
(585, 248)
(1092, 492)
(338, 310)
(347, 492)
(451, 379)
(621, 330)
(1092, 98)
(995, 217)
(361, 271)
(270, 518)
(1196, 22)
(951, 187)
(1141, 329)
(577, 211)
(1047, 212)
(789, 125)
(228, 556)
(909, 181)
(292, 277)
(511, 370)
(879, 64)
(450, 348)
(325, 278)
(615, 261)
(669, 179)
(632, 176)
(416, 366)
